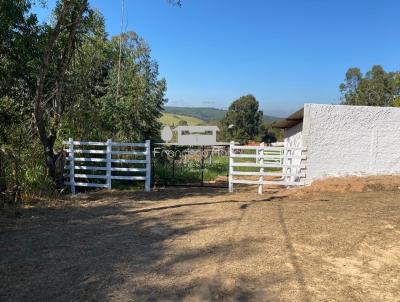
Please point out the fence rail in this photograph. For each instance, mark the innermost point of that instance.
(286, 165)
(89, 163)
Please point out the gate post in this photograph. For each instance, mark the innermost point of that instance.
(261, 162)
(148, 166)
(230, 178)
(109, 156)
(71, 165)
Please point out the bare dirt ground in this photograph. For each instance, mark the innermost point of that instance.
(185, 244)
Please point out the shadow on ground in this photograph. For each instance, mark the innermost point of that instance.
(88, 253)
(201, 245)
(158, 194)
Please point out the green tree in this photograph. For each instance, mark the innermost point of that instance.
(20, 50)
(86, 84)
(243, 120)
(269, 135)
(58, 80)
(62, 40)
(134, 114)
(376, 88)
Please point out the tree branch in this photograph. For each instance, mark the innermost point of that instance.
(38, 109)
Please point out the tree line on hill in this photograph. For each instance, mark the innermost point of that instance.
(208, 114)
(243, 121)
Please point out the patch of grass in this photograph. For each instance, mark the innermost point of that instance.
(190, 171)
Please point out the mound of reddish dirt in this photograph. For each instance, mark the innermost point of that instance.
(353, 184)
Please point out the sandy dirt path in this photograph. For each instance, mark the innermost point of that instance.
(205, 245)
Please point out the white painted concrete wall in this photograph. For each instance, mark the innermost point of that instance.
(349, 140)
(293, 138)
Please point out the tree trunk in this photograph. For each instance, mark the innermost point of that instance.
(3, 183)
(50, 162)
(48, 141)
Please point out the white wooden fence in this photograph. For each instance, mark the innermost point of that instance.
(102, 161)
(283, 166)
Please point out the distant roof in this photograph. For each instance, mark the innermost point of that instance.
(290, 121)
(196, 128)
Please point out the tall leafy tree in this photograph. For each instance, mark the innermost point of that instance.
(19, 52)
(20, 49)
(86, 83)
(62, 41)
(133, 115)
(376, 88)
(58, 80)
(243, 120)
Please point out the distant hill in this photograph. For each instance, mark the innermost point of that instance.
(203, 113)
(207, 113)
(170, 119)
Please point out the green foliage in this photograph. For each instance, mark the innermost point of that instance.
(190, 171)
(376, 88)
(97, 112)
(79, 96)
(243, 120)
(141, 94)
(182, 123)
(20, 49)
(269, 134)
(18, 63)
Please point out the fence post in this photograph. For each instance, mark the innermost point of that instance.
(261, 162)
(148, 166)
(71, 165)
(109, 156)
(230, 178)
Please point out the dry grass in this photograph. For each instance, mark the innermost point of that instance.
(205, 245)
(354, 184)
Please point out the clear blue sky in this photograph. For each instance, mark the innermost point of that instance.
(284, 52)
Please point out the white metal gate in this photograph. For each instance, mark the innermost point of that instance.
(105, 161)
(284, 166)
